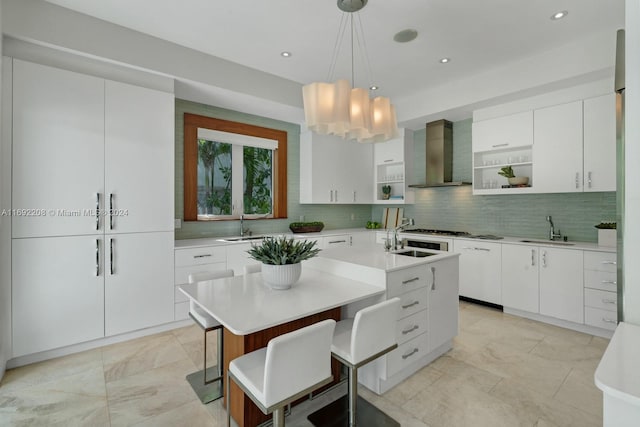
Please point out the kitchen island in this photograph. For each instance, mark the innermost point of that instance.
(428, 289)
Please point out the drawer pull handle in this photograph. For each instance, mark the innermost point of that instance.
(404, 307)
(202, 256)
(609, 301)
(605, 320)
(404, 282)
(506, 144)
(411, 353)
(610, 262)
(337, 241)
(411, 329)
(609, 282)
(388, 160)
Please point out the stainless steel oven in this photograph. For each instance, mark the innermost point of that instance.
(427, 243)
(425, 238)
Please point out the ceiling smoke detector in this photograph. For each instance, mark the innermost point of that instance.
(405, 36)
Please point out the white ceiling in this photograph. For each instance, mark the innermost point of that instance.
(478, 35)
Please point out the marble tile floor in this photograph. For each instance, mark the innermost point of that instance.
(503, 371)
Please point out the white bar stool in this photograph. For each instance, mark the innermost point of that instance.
(356, 342)
(198, 380)
(289, 368)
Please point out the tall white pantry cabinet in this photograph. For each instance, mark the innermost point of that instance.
(93, 201)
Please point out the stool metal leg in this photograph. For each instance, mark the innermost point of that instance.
(353, 395)
(228, 400)
(278, 417)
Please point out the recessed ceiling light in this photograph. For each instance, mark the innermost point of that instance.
(559, 15)
(374, 87)
(445, 60)
(285, 54)
(405, 35)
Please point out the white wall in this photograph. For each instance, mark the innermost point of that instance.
(632, 164)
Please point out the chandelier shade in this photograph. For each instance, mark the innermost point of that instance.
(338, 109)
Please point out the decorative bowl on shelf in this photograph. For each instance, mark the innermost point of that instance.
(518, 180)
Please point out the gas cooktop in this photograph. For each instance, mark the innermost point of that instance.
(439, 232)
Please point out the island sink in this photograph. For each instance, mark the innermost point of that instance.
(415, 254)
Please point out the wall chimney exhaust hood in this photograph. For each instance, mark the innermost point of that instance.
(439, 156)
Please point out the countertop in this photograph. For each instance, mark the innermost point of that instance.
(215, 241)
(618, 373)
(244, 304)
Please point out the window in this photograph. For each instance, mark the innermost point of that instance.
(232, 169)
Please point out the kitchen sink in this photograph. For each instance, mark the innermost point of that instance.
(241, 239)
(415, 254)
(548, 242)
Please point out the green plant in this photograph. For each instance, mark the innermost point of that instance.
(507, 172)
(606, 226)
(306, 224)
(283, 250)
(386, 189)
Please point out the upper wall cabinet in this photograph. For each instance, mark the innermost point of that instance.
(600, 143)
(515, 130)
(557, 148)
(333, 170)
(393, 166)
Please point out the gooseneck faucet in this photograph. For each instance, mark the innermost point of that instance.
(241, 225)
(552, 234)
(408, 221)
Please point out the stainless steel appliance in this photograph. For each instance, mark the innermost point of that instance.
(425, 238)
(620, 184)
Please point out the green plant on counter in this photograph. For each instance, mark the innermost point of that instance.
(283, 250)
(606, 226)
(507, 172)
(307, 224)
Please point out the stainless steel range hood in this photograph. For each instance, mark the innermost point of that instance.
(439, 156)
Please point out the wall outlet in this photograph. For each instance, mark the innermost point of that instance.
(177, 223)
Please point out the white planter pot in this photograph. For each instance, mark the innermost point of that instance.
(607, 237)
(281, 276)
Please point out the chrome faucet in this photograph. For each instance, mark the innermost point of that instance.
(552, 234)
(407, 222)
(242, 230)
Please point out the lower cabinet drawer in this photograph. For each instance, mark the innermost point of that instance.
(600, 261)
(406, 354)
(412, 326)
(604, 319)
(409, 279)
(412, 302)
(601, 299)
(603, 280)
(181, 311)
(204, 255)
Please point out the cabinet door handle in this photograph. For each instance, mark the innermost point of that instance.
(411, 353)
(404, 282)
(609, 262)
(336, 195)
(476, 249)
(609, 301)
(331, 195)
(97, 257)
(589, 178)
(110, 211)
(111, 249)
(202, 256)
(506, 144)
(337, 241)
(609, 282)
(404, 307)
(97, 211)
(354, 196)
(544, 258)
(388, 160)
(605, 320)
(577, 179)
(433, 276)
(409, 330)
(533, 257)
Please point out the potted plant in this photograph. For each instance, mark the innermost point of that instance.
(507, 172)
(281, 259)
(607, 233)
(386, 192)
(306, 227)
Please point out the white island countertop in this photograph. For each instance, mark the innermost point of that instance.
(244, 304)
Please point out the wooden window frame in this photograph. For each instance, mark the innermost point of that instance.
(191, 124)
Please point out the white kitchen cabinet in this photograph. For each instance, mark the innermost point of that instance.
(139, 151)
(393, 166)
(507, 132)
(480, 270)
(363, 238)
(335, 241)
(520, 289)
(600, 143)
(557, 149)
(561, 284)
(58, 150)
(139, 288)
(442, 302)
(333, 170)
(600, 290)
(57, 292)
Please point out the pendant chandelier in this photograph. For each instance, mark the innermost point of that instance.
(337, 108)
